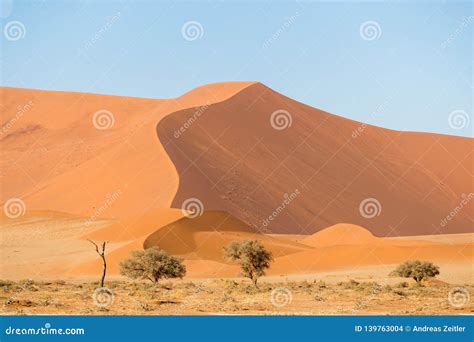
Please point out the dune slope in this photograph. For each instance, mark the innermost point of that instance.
(217, 143)
(54, 157)
(324, 166)
(205, 236)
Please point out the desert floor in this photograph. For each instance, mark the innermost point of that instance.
(228, 296)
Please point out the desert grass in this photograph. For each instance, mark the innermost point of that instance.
(225, 296)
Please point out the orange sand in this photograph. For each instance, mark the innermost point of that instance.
(123, 184)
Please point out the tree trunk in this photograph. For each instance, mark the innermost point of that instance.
(104, 270)
(102, 256)
(255, 281)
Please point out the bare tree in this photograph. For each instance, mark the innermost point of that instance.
(101, 252)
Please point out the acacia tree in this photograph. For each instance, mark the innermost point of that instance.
(252, 256)
(417, 270)
(101, 252)
(152, 264)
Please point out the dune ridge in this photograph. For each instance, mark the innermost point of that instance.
(49, 139)
(320, 157)
(126, 184)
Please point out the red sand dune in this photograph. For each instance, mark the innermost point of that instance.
(53, 158)
(53, 245)
(340, 234)
(232, 159)
(205, 236)
(216, 144)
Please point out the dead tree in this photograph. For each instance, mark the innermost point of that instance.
(102, 256)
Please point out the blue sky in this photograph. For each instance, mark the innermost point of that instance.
(411, 76)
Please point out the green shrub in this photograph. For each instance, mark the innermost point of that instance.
(417, 270)
(254, 259)
(152, 264)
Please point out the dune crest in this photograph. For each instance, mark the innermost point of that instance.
(54, 158)
(238, 159)
(204, 237)
(340, 234)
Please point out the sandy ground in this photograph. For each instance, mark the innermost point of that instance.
(234, 297)
(54, 246)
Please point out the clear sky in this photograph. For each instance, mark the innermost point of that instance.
(409, 69)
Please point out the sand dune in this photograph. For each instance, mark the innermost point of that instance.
(205, 236)
(344, 234)
(350, 247)
(54, 158)
(216, 143)
(126, 184)
(130, 234)
(234, 160)
(340, 234)
(45, 245)
(54, 245)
